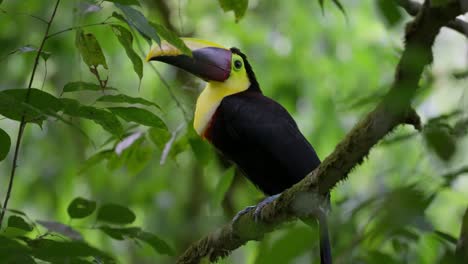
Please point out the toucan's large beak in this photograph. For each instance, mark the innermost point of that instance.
(209, 61)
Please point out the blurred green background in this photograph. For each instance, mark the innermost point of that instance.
(403, 204)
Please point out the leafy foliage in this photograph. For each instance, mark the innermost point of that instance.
(122, 98)
(61, 229)
(222, 187)
(71, 247)
(107, 120)
(13, 106)
(83, 86)
(138, 21)
(116, 214)
(239, 7)
(126, 39)
(390, 12)
(172, 38)
(337, 3)
(121, 233)
(80, 208)
(125, 2)
(138, 115)
(18, 222)
(90, 50)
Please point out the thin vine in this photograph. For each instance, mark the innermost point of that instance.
(23, 118)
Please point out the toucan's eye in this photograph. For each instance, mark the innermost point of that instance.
(237, 64)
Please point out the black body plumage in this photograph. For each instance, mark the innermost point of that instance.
(262, 138)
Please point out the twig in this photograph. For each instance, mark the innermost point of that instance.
(306, 197)
(24, 14)
(23, 118)
(45, 75)
(181, 23)
(412, 7)
(79, 27)
(102, 82)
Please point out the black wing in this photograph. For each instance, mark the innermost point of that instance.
(270, 149)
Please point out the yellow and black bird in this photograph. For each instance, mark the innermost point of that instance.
(250, 129)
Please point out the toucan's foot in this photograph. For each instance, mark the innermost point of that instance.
(260, 205)
(258, 208)
(243, 212)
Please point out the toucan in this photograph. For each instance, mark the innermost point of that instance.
(250, 129)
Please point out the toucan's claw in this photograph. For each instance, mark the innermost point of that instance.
(243, 212)
(260, 205)
(258, 208)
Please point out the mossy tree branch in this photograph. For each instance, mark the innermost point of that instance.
(305, 198)
(412, 7)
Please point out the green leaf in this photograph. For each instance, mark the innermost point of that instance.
(122, 98)
(5, 144)
(440, 140)
(119, 17)
(61, 229)
(156, 243)
(390, 12)
(16, 258)
(125, 2)
(460, 74)
(131, 152)
(59, 251)
(138, 115)
(159, 136)
(81, 208)
(138, 157)
(238, 6)
(40, 104)
(340, 6)
(10, 249)
(95, 159)
(460, 128)
(408, 203)
(172, 38)
(375, 256)
(446, 237)
(90, 50)
(18, 212)
(18, 222)
(137, 20)
(321, 6)
(120, 233)
(101, 117)
(116, 214)
(295, 242)
(126, 39)
(83, 86)
(223, 185)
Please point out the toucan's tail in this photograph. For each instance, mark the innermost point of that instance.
(325, 248)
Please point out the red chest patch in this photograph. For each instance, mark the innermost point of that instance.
(209, 127)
